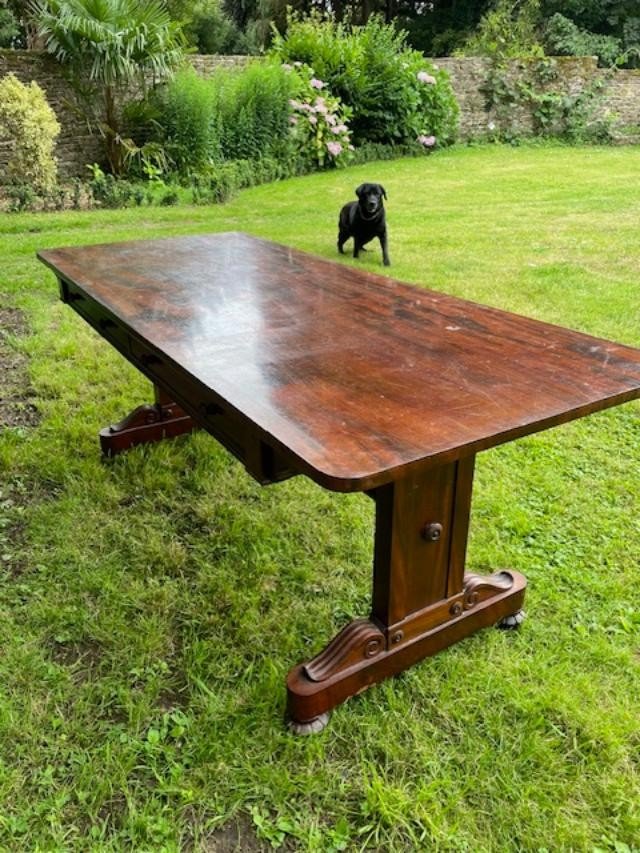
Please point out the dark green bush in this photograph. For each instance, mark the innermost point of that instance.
(564, 38)
(169, 198)
(211, 30)
(9, 28)
(395, 95)
(109, 191)
(21, 197)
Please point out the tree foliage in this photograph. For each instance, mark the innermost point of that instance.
(609, 30)
(565, 38)
(9, 26)
(209, 27)
(508, 29)
(110, 45)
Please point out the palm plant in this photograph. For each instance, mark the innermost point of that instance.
(110, 46)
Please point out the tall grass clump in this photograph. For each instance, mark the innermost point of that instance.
(395, 95)
(188, 116)
(236, 114)
(252, 107)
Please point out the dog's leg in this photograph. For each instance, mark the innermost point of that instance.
(342, 239)
(384, 243)
(356, 247)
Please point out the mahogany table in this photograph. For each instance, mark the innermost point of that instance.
(299, 365)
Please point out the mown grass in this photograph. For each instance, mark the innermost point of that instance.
(151, 606)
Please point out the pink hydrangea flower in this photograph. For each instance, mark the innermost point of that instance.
(293, 119)
(334, 148)
(313, 120)
(423, 77)
(317, 84)
(427, 141)
(287, 67)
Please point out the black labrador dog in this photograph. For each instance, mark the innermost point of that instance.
(363, 220)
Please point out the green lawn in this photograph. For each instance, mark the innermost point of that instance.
(151, 606)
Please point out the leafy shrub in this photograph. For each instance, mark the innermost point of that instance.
(395, 95)
(109, 191)
(29, 124)
(169, 198)
(564, 38)
(9, 27)
(21, 197)
(508, 29)
(212, 31)
(319, 121)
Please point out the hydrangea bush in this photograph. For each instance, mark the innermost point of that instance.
(396, 97)
(318, 120)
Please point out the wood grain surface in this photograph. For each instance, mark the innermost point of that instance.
(354, 375)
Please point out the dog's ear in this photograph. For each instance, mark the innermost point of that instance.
(383, 191)
(360, 190)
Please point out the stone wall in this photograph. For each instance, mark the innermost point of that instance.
(623, 102)
(620, 98)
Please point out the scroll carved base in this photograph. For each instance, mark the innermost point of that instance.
(364, 653)
(145, 424)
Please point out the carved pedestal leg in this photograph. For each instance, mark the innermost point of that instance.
(422, 599)
(148, 423)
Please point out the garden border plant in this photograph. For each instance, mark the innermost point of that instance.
(30, 127)
(268, 120)
(396, 95)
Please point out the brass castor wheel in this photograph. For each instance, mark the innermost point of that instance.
(513, 622)
(310, 727)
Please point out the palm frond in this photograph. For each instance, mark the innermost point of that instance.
(112, 41)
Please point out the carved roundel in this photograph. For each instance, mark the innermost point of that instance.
(373, 647)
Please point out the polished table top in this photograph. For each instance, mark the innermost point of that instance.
(356, 375)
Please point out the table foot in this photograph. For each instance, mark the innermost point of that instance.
(311, 727)
(145, 424)
(512, 622)
(365, 652)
